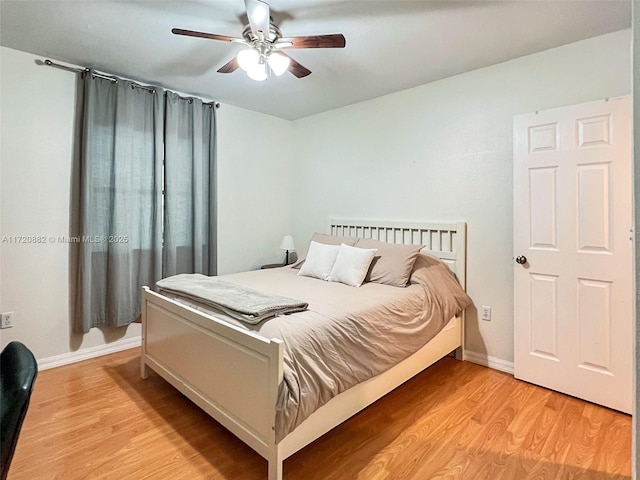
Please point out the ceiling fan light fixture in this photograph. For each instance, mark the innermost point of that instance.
(278, 63)
(258, 72)
(248, 59)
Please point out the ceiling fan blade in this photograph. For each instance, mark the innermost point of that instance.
(259, 17)
(333, 40)
(211, 36)
(230, 66)
(295, 68)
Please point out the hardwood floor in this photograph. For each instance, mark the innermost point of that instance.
(457, 420)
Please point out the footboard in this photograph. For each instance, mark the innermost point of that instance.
(231, 373)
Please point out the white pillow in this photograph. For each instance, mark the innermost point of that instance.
(352, 265)
(320, 260)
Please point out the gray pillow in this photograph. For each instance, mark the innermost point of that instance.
(392, 264)
(333, 240)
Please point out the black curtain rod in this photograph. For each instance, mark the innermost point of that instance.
(49, 63)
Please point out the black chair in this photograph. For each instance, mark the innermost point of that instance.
(18, 371)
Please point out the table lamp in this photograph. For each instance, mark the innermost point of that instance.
(287, 245)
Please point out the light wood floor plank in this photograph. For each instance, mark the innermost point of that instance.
(456, 421)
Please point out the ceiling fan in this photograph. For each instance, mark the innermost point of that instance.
(266, 45)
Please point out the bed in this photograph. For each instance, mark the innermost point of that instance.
(235, 373)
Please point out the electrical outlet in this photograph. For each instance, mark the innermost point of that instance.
(6, 320)
(486, 313)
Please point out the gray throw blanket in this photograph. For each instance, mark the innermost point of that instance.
(244, 304)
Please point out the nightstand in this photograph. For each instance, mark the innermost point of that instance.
(272, 265)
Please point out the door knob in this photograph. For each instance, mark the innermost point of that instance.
(521, 260)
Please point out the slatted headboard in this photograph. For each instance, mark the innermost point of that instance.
(445, 240)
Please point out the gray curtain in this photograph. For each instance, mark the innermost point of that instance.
(190, 192)
(120, 200)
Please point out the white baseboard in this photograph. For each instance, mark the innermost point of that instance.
(488, 361)
(87, 353)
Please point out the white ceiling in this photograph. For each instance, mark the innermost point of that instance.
(391, 45)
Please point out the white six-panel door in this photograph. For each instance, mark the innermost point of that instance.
(572, 217)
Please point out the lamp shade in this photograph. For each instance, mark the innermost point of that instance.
(248, 59)
(287, 244)
(278, 63)
(258, 72)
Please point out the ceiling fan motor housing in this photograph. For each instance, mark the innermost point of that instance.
(274, 34)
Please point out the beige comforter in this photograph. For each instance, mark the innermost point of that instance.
(347, 335)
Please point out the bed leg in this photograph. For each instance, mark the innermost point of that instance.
(144, 370)
(275, 468)
(460, 355)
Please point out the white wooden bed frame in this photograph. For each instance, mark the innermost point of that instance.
(234, 374)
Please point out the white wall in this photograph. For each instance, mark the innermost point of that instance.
(444, 151)
(255, 172)
(37, 106)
